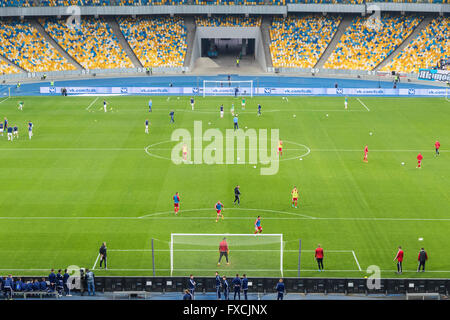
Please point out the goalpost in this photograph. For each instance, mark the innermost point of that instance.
(248, 253)
(228, 88)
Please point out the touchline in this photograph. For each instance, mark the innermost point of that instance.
(226, 149)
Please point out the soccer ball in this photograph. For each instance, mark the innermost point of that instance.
(245, 127)
(209, 123)
(403, 163)
(300, 159)
(326, 115)
(254, 167)
(370, 133)
(294, 115)
(178, 98)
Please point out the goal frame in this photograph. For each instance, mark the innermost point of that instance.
(227, 235)
(250, 82)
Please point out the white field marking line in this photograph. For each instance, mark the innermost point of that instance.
(210, 250)
(236, 149)
(4, 100)
(90, 105)
(363, 104)
(230, 269)
(231, 208)
(230, 218)
(93, 268)
(356, 259)
(373, 150)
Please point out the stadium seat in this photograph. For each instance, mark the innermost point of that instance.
(22, 44)
(94, 45)
(367, 42)
(299, 41)
(228, 21)
(432, 44)
(157, 41)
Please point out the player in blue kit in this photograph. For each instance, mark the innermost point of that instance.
(30, 129)
(104, 105)
(1, 129)
(146, 126)
(16, 131)
(219, 209)
(172, 113)
(258, 227)
(5, 124)
(150, 105)
(192, 103)
(221, 110)
(259, 109)
(10, 133)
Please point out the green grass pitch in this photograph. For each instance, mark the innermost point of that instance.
(85, 177)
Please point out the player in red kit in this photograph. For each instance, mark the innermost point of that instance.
(176, 203)
(419, 160)
(437, 145)
(399, 258)
(223, 250)
(258, 227)
(366, 151)
(318, 254)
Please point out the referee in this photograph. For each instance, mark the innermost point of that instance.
(102, 253)
(237, 194)
(223, 250)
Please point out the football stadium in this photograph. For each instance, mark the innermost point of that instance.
(225, 150)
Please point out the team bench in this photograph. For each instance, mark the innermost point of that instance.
(130, 294)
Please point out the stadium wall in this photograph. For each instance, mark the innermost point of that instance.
(221, 9)
(267, 285)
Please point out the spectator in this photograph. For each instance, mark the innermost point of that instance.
(90, 282)
(237, 286)
(66, 277)
(28, 286)
(52, 279)
(19, 285)
(226, 288)
(191, 285)
(8, 285)
(280, 289)
(245, 285)
(423, 257)
(43, 285)
(187, 295)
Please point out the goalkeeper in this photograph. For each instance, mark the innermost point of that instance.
(223, 250)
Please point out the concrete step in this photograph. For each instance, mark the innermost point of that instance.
(190, 37)
(123, 42)
(422, 25)
(36, 24)
(345, 22)
(265, 35)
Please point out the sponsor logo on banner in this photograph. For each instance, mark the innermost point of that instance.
(411, 92)
(123, 90)
(267, 90)
(434, 75)
(52, 90)
(195, 90)
(339, 91)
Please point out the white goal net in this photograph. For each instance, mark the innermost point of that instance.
(260, 254)
(228, 88)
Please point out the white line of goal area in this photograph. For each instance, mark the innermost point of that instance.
(5, 99)
(90, 105)
(363, 104)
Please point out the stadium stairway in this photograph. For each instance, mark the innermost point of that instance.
(265, 35)
(12, 63)
(36, 24)
(345, 23)
(422, 25)
(123, 42)
(190, 37)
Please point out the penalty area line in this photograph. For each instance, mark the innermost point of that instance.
(356, 259)
(363, 104)
(93, 268)
(90, 105)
